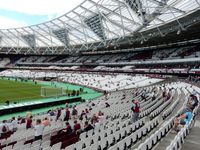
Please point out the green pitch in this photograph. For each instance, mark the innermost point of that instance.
(16, 91)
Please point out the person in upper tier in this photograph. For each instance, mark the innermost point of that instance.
(136, 110)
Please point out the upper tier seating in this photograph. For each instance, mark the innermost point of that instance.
(98, 81)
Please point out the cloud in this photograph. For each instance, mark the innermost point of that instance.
(6, 23)
(39, 7)
(49, 8)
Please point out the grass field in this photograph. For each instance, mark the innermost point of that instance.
(18, 91)
(28, 91)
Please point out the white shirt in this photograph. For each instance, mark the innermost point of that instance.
(14, 123)
(39, 129)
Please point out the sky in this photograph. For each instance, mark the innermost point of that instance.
(19, 13)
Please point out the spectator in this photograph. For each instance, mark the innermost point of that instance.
(82, 115)
(96, 124)
(19, 118)
(102, 118)
(153, 96)
(77, 126)
(193, 102)
(14, 124)
(67, 105)
(46, 122)
(94, 119)
(164, 93)
(136, 110)
(184, 119)
(51, 113)
(58, 114)
(143, 97)
(39, 128)
(67, 114)
(68, 128)
(87, 127)
(74, 113)
(29, 122)
(3, 128)
(28, 114)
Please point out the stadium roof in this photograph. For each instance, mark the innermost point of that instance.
(95, 22)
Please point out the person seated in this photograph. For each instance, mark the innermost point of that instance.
(77, 127)
(46, 122)
(82, 115)
(182, 120)
(193, 101)
(87, 127)
(68, 128)
(94, 118)
(4, 128)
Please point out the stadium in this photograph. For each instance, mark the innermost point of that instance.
(106, 75)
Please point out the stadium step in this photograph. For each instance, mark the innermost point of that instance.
(165, 142)
(192, 141)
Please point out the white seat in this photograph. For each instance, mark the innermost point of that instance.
(128, 141)
(82, 136)
(121, 145)
(26, 146)
(103, 143)
(35, 143)
(56, 146)
(79, 145)
(7, 147)
(110, 139)
(36, 147)
(94, 146)
(70, 147)
(45, 144)
(47, 148)
(88, 141)
(95, 138)
(117, 135)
